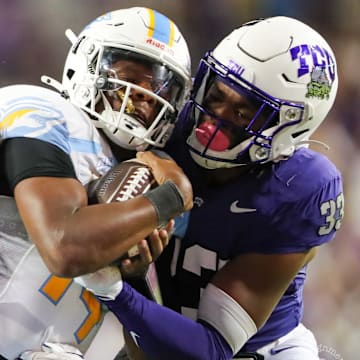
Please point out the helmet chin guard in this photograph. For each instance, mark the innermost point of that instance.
(130, 136)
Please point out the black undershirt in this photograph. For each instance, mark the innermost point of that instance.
(22, 158)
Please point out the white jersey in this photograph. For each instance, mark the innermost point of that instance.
(36, 306)
(40, 113)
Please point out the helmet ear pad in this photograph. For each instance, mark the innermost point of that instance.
(283, 63)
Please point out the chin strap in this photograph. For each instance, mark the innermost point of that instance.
(299, 144)
(317, 142)
(71, 36)
(55, 84)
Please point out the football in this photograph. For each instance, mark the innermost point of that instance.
(124, 181)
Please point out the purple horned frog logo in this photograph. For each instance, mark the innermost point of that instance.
(319, 63)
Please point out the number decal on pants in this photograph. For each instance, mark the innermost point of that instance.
(55, 288)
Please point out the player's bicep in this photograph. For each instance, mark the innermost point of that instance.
(47, 206)
(258, 281)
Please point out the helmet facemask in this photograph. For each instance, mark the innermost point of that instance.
(217, 141)
(115, 77)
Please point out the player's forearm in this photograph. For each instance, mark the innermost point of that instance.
(164, 334)
(85, 247)
(73, 238)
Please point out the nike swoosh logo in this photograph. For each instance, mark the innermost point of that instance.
(135, 336)
(234, 208)
(277, 351)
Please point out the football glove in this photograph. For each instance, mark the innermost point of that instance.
(105, 283)
(53, 351)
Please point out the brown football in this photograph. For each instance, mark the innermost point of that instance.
(124, 181)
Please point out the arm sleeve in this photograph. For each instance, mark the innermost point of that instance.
(163, 333)
(23, 158)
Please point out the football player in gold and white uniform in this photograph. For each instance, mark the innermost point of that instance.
(126, 76)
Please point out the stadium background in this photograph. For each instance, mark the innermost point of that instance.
(32, 43)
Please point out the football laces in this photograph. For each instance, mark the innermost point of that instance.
(136, 181)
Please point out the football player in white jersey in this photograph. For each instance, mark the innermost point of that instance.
(125, 79)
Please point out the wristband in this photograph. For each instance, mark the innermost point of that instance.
(167, 202)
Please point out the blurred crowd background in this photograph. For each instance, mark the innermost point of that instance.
(32, 43)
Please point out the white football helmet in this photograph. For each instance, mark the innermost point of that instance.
(286, 70)
(135, 34)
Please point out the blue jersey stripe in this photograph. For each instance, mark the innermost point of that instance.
(84, 146)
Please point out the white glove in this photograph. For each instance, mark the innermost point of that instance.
(105, 283)
(53, 351)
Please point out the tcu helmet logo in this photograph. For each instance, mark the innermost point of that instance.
(320, 64)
